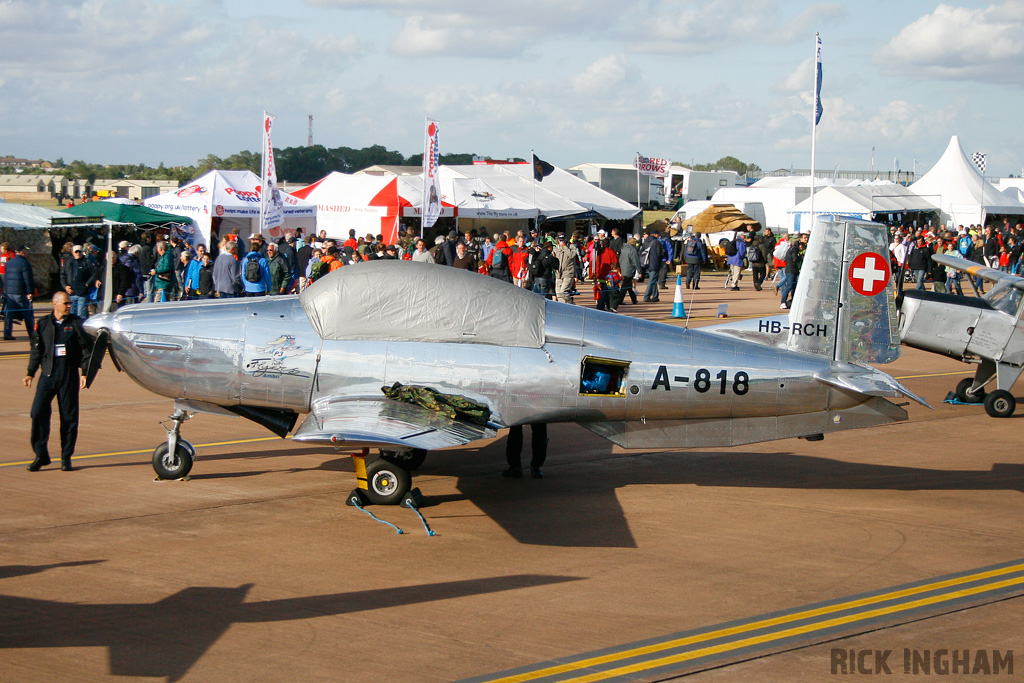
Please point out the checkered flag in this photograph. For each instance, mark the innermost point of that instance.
(979, 160)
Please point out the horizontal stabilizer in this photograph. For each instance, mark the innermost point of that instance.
(373, 423)
(977, 270)
(871, 383)
(735, 431)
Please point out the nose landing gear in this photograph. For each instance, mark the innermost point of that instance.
(174, 459)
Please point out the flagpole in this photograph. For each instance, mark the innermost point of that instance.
(533, 174)
(814, 116)
(636, 162)
(263, 174)
(423, 201)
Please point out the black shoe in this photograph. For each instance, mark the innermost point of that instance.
(734, 289)
(65, 465)
(696, 286)
(512, 473)
(687, 285)
(38, 463)
(535, 473)
(757, 287)
(8, 338)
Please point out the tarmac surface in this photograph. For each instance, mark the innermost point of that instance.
(256, 570)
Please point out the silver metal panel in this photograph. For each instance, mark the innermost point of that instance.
(937, 327)
(720, 432)
(991, 334)
(279, 358)
(816, 299)
(542, 385)
(867, 324)
(362, 423)
(563, 323)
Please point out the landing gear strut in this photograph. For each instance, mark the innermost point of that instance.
(174, 459)
(384, 480)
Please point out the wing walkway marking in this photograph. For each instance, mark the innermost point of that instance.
(757, 636)
(150, 450)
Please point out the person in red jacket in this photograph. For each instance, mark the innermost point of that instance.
(604, 259)
(518, 262)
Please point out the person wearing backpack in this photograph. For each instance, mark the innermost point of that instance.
(758, 257)
(695, 255)
(651, 258)
(498, 261)
(255, 274)
(735, 260)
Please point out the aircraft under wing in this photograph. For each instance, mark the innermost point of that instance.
(735, 431)
(382, 423)
(979, 270)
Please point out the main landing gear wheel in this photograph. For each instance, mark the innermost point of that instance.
(1000, 403)
(963, 386)
(410, 460)
(175, 466)
(386, 482)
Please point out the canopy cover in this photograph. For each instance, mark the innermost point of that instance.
(120, 212)
(25, 217)
(422, 302)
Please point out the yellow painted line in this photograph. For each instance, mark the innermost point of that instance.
(150, 450)
(938, 374)
(779, 635)
(14, 356)
(776, 621)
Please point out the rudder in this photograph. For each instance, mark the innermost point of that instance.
(844, 306)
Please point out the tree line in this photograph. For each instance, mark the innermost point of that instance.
(294, 164)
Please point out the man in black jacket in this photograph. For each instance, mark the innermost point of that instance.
(60, 347)
(76, 279)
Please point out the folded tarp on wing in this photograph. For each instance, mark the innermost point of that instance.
(412, 301)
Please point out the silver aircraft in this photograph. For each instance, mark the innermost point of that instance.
(985, 330)
(330, 352)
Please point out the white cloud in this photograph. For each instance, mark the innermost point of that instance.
(603, 77)
(960, 43)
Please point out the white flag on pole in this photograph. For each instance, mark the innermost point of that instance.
(431, 209)
(650, 165)
(271, 204)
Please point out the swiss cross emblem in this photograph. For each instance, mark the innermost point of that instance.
(869, 274)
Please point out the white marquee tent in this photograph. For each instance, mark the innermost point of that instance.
(234, 197)
(368, 204)
(960, 191)
(863, 201)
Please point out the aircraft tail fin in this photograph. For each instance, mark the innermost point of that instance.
(844, 307)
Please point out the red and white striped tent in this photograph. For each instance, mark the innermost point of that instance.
(365, 203)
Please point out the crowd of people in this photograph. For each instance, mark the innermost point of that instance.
(997, 246)
(551, 263)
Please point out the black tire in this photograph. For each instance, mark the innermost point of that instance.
(386, 482)
(961, 392)
(410, 460)
(1000, 403)
(167, 467)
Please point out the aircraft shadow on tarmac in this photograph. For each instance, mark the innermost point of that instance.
(576, 505)
(166, 638)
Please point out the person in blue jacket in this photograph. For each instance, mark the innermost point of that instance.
(255, 273)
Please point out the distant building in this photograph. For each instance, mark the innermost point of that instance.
(136, 190)
(15, 162)
(31, 188)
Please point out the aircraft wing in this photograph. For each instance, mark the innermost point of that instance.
(978, 270)
(382, 423)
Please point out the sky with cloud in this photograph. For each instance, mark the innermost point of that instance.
(150, 81)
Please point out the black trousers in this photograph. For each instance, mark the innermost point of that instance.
(692, 274)
(760, 272)
(66, 391)
(538, 444)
